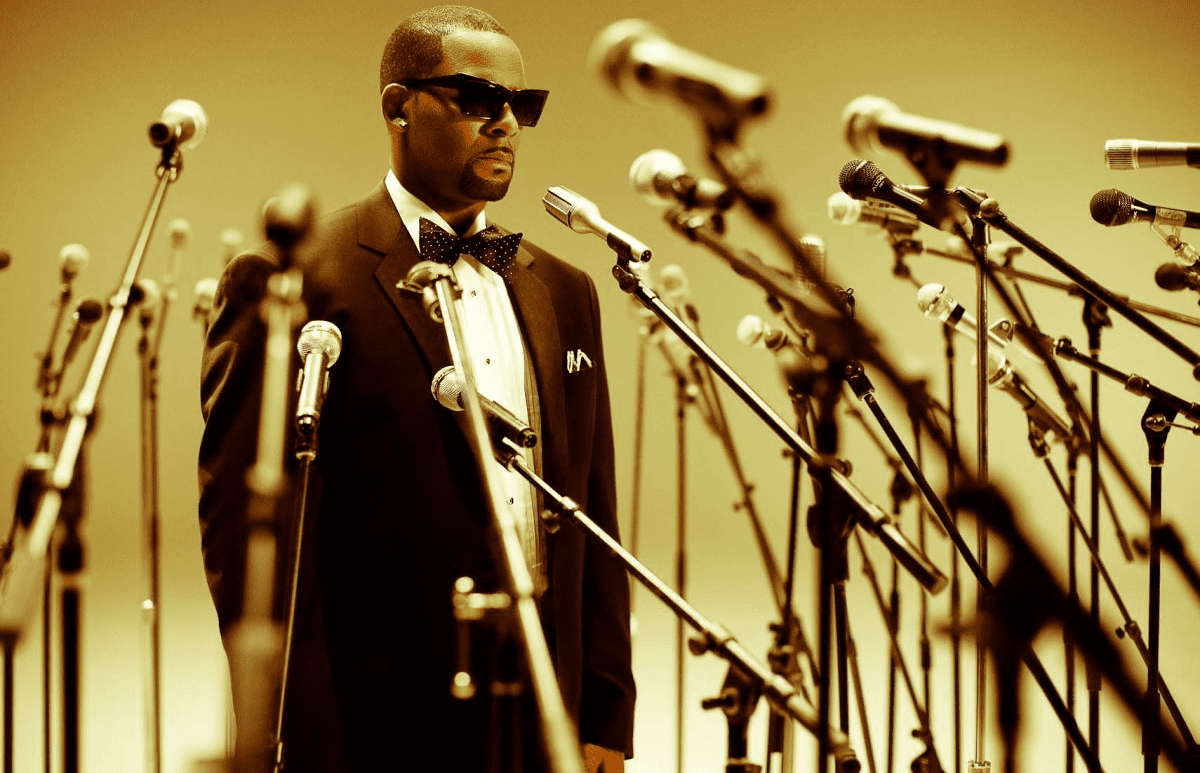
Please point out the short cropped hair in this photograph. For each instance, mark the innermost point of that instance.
(414, 49)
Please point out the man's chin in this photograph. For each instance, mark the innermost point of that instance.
(485, 190)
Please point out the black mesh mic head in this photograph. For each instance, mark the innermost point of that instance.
(1112, 207)
(1171, 276)
(860, 178)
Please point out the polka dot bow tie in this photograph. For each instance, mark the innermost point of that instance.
(489, 247)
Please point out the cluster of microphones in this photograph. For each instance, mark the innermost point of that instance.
(640, 63)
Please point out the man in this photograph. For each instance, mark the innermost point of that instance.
(400, 514)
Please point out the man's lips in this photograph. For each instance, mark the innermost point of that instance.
(499, 154)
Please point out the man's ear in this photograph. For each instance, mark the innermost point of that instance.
(394, 102)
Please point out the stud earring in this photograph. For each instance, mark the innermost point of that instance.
(401, 123)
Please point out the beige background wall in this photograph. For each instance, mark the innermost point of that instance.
(291, 92)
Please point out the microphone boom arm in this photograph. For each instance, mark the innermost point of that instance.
(778, 690)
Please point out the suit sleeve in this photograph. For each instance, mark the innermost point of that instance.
(608, 692)
(230, 392)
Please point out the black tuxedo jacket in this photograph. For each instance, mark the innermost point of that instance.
(399, 513)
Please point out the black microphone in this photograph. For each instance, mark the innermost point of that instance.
(87, 314)
(1137, 154)
(5, 259)
(287, 220)
(183, 124)
(862, 179)
(582, 216)
(877, 122)
(319, 346)
(1112, 207)
(636, 59)
(1175, 277)
(660, 177)
(845, 210)
(447, 389)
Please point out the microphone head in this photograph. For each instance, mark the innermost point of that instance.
(861, 118)
(73, 259)
(206, 292)
(571, 209)
(89, 311)
(1171, 276)
(931, 299)
(648, 168)
(673, 284)
(609, 56)
(750, 331)
(179, 231)
(183, 119)
(5, 259)
(232, 240)
(320, 336)
(151, 299)
(288, 217)
(860, 179)
(446, 388)
(1121, 154)
(1112, 207)
(843, 209)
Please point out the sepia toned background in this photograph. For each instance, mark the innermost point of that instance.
(291, 92)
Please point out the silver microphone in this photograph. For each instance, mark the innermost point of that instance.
(875, 122)
(447, 389)
(1139, 154)
(582, 216)
(319, 346)
(183, 123)
(72, 259)
(660, 177)
(846, 210)
(635, 58)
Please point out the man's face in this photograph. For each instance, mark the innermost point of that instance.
(450, 160)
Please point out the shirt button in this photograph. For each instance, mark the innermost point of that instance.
(511, 500)
(488, 361)
(473, 293)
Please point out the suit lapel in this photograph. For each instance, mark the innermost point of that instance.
(380, 229)
(535, 313)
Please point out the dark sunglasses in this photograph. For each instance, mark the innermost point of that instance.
(480, 98)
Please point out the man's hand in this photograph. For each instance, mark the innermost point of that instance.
(597, 759)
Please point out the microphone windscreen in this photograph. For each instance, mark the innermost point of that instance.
(179, 230)
(89, 311)
(1112, 207)
(1171, 276)
(72, 259)
(929, 297)
(320, 336)
(447, 389)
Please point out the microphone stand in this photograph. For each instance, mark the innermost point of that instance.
(18, 582)
(790, 641)
(306, 454)
(442, 298)
(870, 515)
(748, 679)
(255, 642)
(1027, 596)
(927, 761)
(148, 349)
